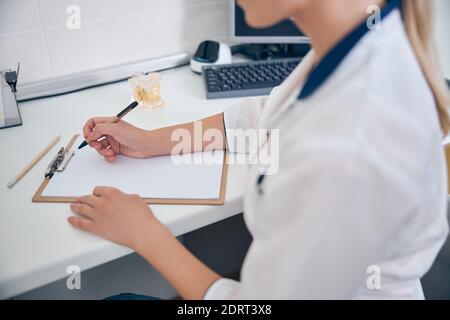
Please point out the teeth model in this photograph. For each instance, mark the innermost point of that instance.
(146, 90)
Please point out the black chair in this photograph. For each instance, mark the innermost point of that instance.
(436, 283)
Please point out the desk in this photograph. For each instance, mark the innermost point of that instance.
(36, 242)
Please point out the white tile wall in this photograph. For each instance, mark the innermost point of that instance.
(120, 31)
(18, 16)
(112, 32)
(29, 48)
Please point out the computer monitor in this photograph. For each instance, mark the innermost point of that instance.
(283, 32)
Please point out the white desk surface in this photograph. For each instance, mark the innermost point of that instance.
(36, 242)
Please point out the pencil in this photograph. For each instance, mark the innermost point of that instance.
(33, 162)
(115, 119)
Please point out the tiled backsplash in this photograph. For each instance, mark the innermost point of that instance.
(111, 32)
(119, 31)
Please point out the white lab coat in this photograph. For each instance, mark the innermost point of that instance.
(361, 186)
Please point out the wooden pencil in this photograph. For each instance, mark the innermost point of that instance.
(33, 162)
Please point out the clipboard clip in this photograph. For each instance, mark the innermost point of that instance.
(59, 163)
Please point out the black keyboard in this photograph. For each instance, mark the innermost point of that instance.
(247, 78)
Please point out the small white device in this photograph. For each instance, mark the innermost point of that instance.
(210, 53)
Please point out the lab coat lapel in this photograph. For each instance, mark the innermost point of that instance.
(284, 96)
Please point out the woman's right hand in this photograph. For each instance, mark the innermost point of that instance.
(120, 138)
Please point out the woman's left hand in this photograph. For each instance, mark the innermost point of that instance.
(114, 215)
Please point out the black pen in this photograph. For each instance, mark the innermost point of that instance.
(115, 119)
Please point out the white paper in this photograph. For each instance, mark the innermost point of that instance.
(159, 177)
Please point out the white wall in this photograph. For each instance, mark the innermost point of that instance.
(120, 31)
(443, 34)
(112, 32)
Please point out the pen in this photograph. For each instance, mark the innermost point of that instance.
(33, 163)
(115, 119)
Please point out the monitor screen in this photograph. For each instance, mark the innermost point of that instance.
(283, 32)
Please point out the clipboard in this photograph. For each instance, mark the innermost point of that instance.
(39, 197)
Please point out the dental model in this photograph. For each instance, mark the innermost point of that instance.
(146, 90)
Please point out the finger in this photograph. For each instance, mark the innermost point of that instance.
(101, 130)
(82, 209)
(81, 223)
(135, 196)
(104, 142)
(114, 144)
(99, 144)
(96, 145)
(91, 200)
(106, 152)
(104, 191)
(92, 122)
(87, 128)
(110, 158)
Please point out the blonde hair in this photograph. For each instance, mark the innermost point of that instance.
(418, 24)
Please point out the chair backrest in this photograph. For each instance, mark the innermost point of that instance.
(436, 283)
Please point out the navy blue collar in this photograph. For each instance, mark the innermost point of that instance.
(335, 56)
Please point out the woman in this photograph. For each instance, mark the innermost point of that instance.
(361, 189)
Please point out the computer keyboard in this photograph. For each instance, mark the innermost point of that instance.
(247, 78)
